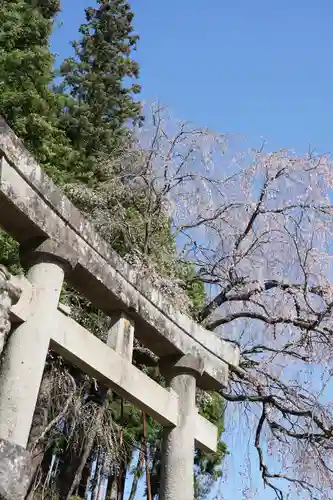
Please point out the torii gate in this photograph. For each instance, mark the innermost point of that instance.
(57, 242)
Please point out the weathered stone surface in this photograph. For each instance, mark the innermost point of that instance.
(23, 361)
(16, 470)
(206, 434)
(9, 294)
(121, 335)
(181, 365)
(5, 305)
(78, 346)
(20, 310)
(34, 207)
(177, 480)
(39, 249)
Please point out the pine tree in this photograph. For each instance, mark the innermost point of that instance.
(101, 104)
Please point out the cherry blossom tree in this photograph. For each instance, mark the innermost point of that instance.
(258, 228)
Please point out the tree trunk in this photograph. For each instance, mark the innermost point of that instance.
(87, 450)
(111, 492)
(137, 473)
(84, 484)
(121, 481)
(98, 475)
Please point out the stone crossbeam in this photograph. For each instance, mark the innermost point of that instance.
(78, 346)
(32, 207)
(97, 359)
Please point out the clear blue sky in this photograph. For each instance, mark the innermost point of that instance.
(263, 69)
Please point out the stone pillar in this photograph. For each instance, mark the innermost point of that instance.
(177, 478)
(24, 357)
(121, 335)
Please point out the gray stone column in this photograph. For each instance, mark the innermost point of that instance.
(121, 335)
(24, 359)
(177, 478)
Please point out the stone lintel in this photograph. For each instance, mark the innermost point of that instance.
(80, 347)
(16, 471)
(39, 250)
(32, 206)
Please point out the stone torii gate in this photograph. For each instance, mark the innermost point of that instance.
(57, 243)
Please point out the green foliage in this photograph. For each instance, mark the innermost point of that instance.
(99, 103)
(27, 103)
(192, 285)
(9, 253)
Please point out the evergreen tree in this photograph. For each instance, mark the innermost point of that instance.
(101, 104)
(27, 103)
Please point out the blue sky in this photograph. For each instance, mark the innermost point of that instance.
(259, 68)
